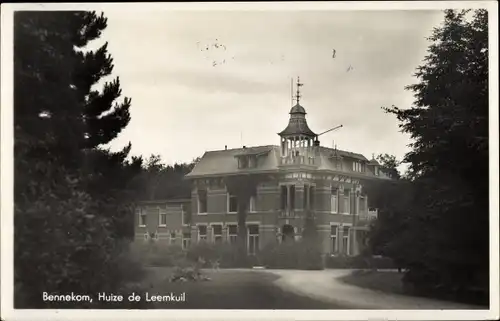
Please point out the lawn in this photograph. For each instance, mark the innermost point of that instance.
(227, 289)
(391, 282)
(385, 281)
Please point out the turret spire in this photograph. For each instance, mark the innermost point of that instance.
(299, 84)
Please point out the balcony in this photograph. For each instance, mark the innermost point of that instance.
(368, 216)
(286, 214)
(298, 160)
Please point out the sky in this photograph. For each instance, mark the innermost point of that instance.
(183, 105)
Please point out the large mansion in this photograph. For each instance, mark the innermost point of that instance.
(305, 178)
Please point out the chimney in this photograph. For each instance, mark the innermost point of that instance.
(225, 147)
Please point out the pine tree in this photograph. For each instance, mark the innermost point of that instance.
(64, 231)
(449, 158)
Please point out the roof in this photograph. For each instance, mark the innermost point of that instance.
(297, 125)
(373, 162)
(298, 109)
(223, 162)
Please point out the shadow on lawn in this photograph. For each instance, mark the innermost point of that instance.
(227, 290)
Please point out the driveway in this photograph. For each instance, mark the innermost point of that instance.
(324, 285)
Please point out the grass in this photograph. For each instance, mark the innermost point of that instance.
(227, 290)
(391, 282)
(385, 281)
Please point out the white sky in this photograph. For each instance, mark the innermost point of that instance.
(183, 106)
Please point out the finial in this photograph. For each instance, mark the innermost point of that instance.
(299, 84)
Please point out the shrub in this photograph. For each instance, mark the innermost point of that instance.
(157, 254)
(226, 254)
(359, 262)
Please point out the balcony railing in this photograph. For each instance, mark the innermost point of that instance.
(298, 160)
(287, 214)
(368, 216)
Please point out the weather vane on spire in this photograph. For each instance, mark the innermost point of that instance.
(299, 84)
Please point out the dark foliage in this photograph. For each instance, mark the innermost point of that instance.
(440, 224)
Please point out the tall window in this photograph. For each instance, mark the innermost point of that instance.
(185, 216)
(357, 166)
(251, 204)
(186, 240)
(142, 216)
(292, 197)
(232, 203)
(217, 233)
(284, 197)
(333, 239)
(242, 162)
(306, 197)
(173, 236)
(253, 239)
(345, 240)
(202, 233)
(202, 202)
(362, 205)
(163, 217)
(311, 197)
(347, 202)
(334, 200)
(252, 161)
(232, 233)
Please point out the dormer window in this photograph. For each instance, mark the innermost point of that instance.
(242, 162)
(252, 162)
(357, 166)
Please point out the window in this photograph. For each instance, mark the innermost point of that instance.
(186, 240)
(347, 203)
(333, 239)
(345, 240)
(232, 203)
(311, 197)
(251, 204)
(173, 236)
(334, 200)
(142, 217)
(163, 217)
(357, 167)
(217, 233)
(202, 202)
(306, 197)
(292, 197)
(253, 239)
(376, 170)
(284, 197)
(232, 233)
(362, 205)
(252, 161)
(242, 162)
(185, 216)
(202, 233)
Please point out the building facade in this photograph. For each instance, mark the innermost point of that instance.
(301, 178)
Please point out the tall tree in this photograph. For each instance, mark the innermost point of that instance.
(389, 165)
(449, 159)
(64, 231)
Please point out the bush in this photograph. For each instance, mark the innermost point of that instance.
(157, 254)
(293, 255)
(226, 254)
(359, 262)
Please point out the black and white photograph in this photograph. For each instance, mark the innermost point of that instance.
(258, 160)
